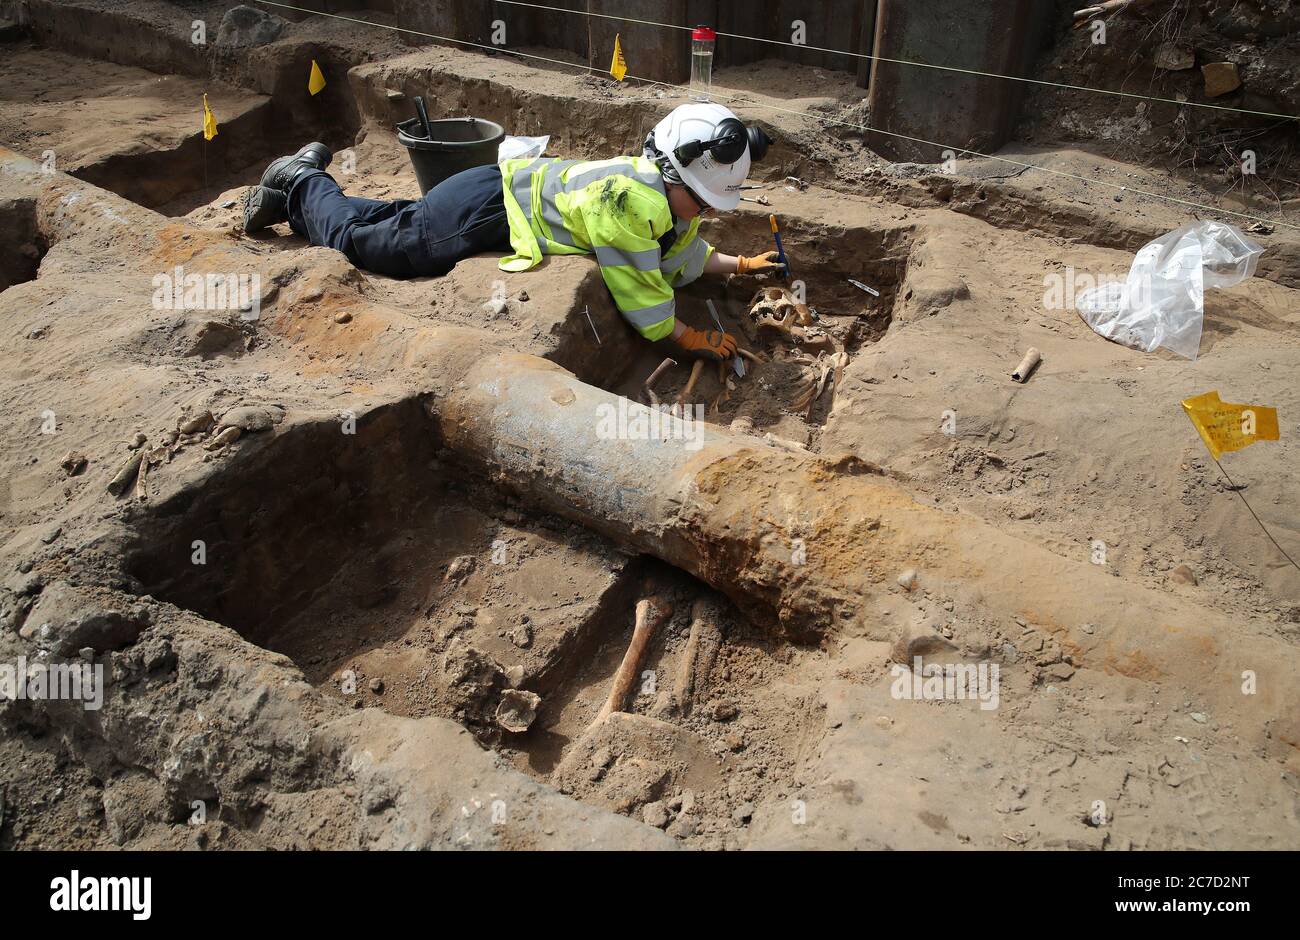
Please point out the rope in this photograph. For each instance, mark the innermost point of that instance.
(920, 65)
(1236, 489)
(682, 89)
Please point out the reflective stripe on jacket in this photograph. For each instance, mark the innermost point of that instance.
(615, 209)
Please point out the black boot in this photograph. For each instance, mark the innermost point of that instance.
(282, 172)
(267, 203)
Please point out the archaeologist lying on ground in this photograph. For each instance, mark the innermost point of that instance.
(639, 216)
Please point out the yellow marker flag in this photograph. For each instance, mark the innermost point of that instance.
(618, 67)
(317, 80)
(1226, 427)
(209, 121)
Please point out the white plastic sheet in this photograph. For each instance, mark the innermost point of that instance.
(1162, 303)
(516, 148)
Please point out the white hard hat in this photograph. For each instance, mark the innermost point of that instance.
(715, 182)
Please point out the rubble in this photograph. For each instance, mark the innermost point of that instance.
(1220, 78)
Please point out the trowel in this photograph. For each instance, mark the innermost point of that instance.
(737, 364)
(780, 249)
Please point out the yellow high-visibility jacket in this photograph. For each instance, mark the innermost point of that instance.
(615, 209)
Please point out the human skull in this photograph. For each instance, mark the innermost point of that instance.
(776, 308)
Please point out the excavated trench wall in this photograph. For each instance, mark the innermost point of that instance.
(245, 142)
(23, 246)
(287, 518)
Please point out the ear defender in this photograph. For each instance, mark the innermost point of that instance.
(729, 142)
(728, 146)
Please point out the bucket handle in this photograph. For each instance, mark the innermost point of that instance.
(424, 117)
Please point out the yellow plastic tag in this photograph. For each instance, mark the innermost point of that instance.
(1226, 427)
(618, 67)
(317, 80)
(209, 121)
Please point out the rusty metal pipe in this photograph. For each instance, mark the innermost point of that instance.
(806, 543)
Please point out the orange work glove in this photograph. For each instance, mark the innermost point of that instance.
(707, 344)
(764, 262)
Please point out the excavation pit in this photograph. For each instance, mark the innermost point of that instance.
(138, 132)
(392, 583)
(363, 559)
(823, 260)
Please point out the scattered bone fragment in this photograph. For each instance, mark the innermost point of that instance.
(126, 474)
(696, 370)
(73, 463)
(785, 443)
(651, 398)
(251, 418)
(815, 383)
(841, 360)
(137, 441)
(1105, 8)
(650, 612)
(159, 455)
(517, 710)
(141, 480)
(228, 436)
(701, 653)
(197, 424)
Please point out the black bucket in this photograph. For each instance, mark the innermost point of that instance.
(457, 144)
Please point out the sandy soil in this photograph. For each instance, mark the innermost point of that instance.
(57, 107)
(390, 583)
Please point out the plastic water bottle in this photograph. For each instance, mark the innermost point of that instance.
(702, 41)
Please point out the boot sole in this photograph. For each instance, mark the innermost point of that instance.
(263, 208)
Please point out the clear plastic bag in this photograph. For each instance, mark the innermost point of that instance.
(516, 148)
(1162, 303)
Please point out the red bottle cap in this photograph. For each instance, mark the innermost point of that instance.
(704, 33)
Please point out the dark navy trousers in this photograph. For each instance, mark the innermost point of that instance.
(461, 216)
